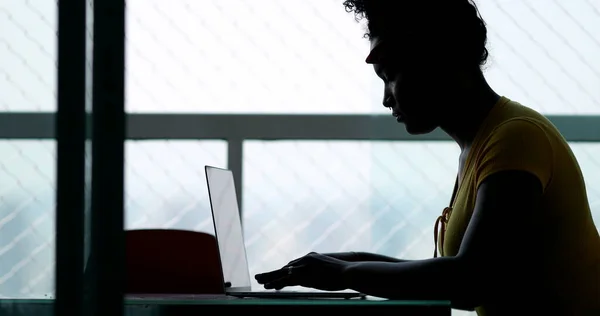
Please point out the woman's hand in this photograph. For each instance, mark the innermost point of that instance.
(313, 270)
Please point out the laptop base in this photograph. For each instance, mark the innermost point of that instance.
(297, 295)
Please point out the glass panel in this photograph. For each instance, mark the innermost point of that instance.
(27, 181)
(166, 188)
(166, 185)
(387, 196)
(543, 54)
(273, 56)
(190, 56)
(364, 196)
(28, 55)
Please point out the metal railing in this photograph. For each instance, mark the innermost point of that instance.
(236, 128)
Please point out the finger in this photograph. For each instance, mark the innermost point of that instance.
(277, 285)
(297, 277)
(267, 277)
(280, 283)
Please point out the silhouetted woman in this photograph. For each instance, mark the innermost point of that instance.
(518, 236)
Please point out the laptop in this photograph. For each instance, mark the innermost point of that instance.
(232, 250)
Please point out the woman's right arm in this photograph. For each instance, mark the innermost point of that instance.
(362, 256)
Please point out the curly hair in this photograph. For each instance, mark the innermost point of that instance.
(454, 25)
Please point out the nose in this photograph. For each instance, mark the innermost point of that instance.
(388, 99)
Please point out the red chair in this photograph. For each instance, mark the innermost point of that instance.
(160, 261)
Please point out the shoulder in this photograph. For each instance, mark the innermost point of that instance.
(519, 135)
(525, 128)
(517, 144)
(515, 119)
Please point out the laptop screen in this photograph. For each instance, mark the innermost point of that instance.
(228, 227)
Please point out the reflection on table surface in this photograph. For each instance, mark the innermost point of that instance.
(159, 305)
(218, 299)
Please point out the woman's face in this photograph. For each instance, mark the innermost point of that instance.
(414, 90)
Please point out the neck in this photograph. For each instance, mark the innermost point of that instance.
(475, 106)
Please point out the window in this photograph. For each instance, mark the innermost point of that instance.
(216, 56)
(329, 196)
(165, 188)
(27, 181)
(28, 56)
(273, 56)
(166, 185)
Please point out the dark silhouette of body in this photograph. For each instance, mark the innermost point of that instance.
(518, 237)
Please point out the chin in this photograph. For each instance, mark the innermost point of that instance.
(419, 129)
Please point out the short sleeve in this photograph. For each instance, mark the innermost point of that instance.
(516, 145)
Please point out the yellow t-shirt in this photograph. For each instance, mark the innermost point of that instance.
(514, 137)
